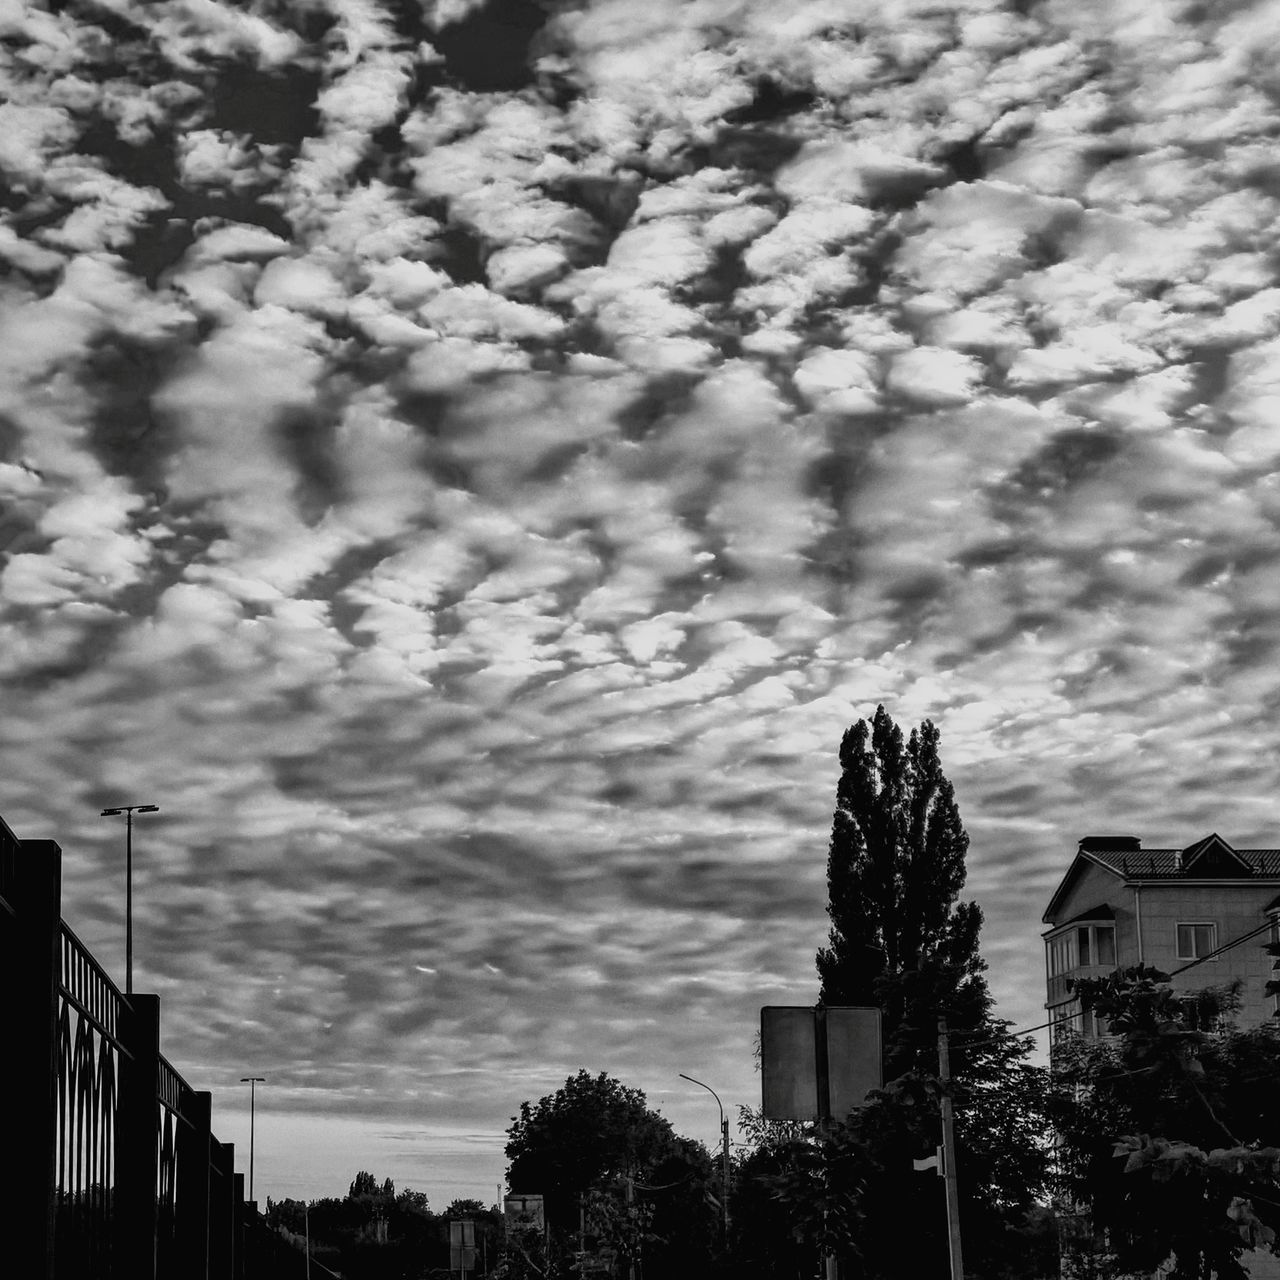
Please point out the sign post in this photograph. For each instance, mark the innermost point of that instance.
(819, 1063)
(462, 1246)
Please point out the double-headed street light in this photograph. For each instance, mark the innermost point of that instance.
(253, 1082)
(724, 1137)
(129, 810)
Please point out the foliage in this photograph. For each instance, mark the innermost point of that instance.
(800, 1191)
(365, 1184)
(902, 941)
(765, 1242)
(524, 1257)
(462, 1209)
(1169, 1128)
(594, 1149)
(895, 867)
(373, 1233)
(409, 1201)
(591, 1129)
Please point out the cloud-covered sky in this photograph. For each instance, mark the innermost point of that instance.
(468, 463)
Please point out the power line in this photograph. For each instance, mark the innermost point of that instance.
(1226, 946)
(1053, 1022)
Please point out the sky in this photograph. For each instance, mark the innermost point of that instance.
(468, 464)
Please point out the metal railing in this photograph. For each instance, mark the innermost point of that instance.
(88, 1077)
(115, 1174)
(8, 868)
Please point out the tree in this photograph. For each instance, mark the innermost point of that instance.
(465, 1208)
(895, 867)
(372, 1233)
(365, 1184)
(901, 940)
(595, 1146)
(1169, 1129)
(765, 1242)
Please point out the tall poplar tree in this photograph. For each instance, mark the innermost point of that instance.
(895, 868)
(902, 940)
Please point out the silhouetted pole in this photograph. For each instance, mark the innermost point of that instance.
(949, 1154)
(253, 1082)
(631, 1195)
(724, 1152)
(128, 810)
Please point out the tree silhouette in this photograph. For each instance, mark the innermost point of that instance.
(895, 866)
(602, 1159)
(901, 940)
(1168, 1130)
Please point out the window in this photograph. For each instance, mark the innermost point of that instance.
(1070, 1020)
(1096, 944)
(1065, 1022)
(1087, 944)
(1275, 963)
(1196, 940)
(1062, 954)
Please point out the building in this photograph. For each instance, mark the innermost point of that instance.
(1120, 904)
(1202, 914)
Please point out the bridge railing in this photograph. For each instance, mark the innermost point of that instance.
(113, 1172)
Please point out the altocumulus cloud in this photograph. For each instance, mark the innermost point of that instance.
(473, 500)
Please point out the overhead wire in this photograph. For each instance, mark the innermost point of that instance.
(1053, 1022)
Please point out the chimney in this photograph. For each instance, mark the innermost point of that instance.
(1112, 844)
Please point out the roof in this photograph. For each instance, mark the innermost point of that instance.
(1210, 858)
(1171, 864)
(1104, 912)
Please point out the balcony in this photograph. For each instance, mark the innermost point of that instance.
(1058, 983)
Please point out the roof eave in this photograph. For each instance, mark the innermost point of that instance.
(1060, 891)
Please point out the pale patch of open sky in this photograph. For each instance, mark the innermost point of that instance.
(469, 465)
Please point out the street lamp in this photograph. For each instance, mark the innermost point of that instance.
(253, 1082)
(129, 810)
(724, 1138)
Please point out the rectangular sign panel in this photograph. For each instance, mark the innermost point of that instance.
(853, 1057)
(523, 1212)
(818, 1062)
(788, 1062)
(462, 1245)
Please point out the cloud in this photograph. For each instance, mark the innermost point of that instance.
(475, 516)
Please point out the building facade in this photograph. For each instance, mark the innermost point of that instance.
(1202, 914)
(1174, 909)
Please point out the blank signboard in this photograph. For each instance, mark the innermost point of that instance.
(795, 1079)
(853, 1057)
(788, 1062)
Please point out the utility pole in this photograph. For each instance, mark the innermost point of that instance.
(631, 1195)
(949, 1154)
(128, 810)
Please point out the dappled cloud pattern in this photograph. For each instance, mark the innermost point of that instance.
(471, 495)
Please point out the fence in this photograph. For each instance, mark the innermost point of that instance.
(110, 1169)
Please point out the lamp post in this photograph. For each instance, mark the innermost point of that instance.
(724, 1139)
(128, 810)
(253, 1082)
